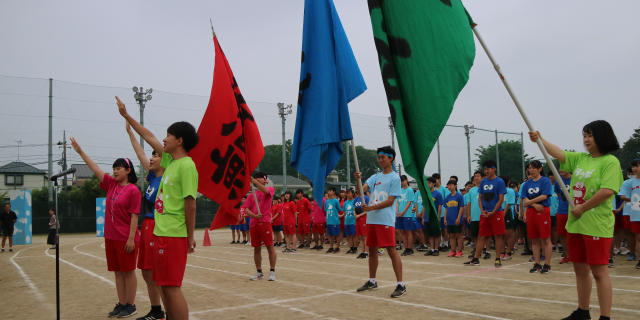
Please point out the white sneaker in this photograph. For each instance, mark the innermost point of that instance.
(257, 276)
(272, 276)
(380, 251)
(624, 251)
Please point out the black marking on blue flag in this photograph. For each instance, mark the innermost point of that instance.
(324, 156)
(304, 84)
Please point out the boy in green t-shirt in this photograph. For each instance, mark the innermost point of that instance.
(175, 210)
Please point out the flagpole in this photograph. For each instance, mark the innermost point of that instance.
(355, 163)
(565, 191)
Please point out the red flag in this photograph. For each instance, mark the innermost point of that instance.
(230, 146)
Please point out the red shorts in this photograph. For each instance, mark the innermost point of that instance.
(304, 227)
(261, 233)
(380, 236)
(538, 223)
(117, 258)
(561, 223)
(588, 249)
(361, 229)
(145, 254)
(627, 222)
(635, 227)
(289, 229)
(492, 226)
(319, 228)
(169, 261)
(619, 222)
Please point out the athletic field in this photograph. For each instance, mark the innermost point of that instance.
(310, 285)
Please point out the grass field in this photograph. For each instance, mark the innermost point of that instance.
(310, 285)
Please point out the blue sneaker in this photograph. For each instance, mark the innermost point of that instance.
(631, 257)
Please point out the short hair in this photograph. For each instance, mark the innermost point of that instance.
(288, 193)
(403, 178)
(431, 179)
(259, 174)
(635, 162)
(506, 179)
(489, 164)
(187, 132)
(454, 177)
(332, 189)
(629, 170)
(603, 135)
(126, 163)
(299, 191)
(453, 182)
(387, 150)
(478, 172)
(468, 183)
(513, 185)
(536, 164)
(436, 176)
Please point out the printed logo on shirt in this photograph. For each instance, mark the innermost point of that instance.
(488, 187)
(379, 196)
(581, 174)
(452, 203)
(159, 205)
(635, 202)
(535, 190)
(150, 190)
(579, 192)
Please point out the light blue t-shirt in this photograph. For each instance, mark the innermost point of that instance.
(407, 197)
(349, 214)
(631, 189)
(472, 197)
(509, 199)
(418, 203)
(382, 186)
(332, 208)
(553, 208)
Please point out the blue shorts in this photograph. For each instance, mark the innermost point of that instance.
(277, 228)
(442, 226)
(349, 230)
(244, 227)
(333, 230)
(235, 227)
(407, 223)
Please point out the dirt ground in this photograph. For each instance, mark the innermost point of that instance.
(310, 285)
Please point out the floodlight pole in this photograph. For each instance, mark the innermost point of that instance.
(283, 111)
(142, 97)
(50, 156)
(467, 132)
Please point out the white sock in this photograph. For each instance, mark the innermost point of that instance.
(372, 280)
(400, 283)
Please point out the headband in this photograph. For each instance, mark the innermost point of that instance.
(386, 154)
(128, 162)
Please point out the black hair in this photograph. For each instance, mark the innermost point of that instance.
(351, 190)
(536, 164)
(287, 193)
(126, 163)
(454, 177)
(388, 150)
(403, 178)
(506, 179)
(468, 183)
(635, 163)
(187, 132)
(299, 191)
(332, 189)
(489, 164)
(154, 152)
(453, 182)
(603, 135)
(432, 180)
(259, 174)
(512, 185)
(478, 172)
(436, 176)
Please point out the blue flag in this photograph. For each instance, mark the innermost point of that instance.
(329, 80)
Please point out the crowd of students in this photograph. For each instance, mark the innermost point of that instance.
(385, 216)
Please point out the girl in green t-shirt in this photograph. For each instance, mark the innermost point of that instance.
(596, 177)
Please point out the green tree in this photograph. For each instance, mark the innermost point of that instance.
(630, 150)
(272, 161)
(367, 160)
(510, 157)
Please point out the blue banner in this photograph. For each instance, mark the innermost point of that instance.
(100, 208)
(21, 205)
(329, 80)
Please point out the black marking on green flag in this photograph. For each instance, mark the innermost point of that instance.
(447, 2)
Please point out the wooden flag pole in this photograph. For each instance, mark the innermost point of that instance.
(355, 162)
(565, 191)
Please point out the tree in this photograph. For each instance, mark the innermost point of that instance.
(272, 162)
(367, 160)
(630, 150)
(510, 158)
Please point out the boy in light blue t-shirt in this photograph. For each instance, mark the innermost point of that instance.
(406, 216)
(332, 208)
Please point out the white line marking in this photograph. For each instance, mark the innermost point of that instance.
(542, 283)
(101, 278)
(27, 279)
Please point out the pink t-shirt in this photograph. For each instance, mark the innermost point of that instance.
(122, 202)
(265, 205)
(317, 215)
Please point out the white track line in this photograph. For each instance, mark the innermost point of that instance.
(27, 279)
(101, 278)
(542, 283)
(522, 298)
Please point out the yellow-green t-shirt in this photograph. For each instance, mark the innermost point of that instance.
(588, 175)
(179, 181)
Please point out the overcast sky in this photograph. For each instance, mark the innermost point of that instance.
(569, 62)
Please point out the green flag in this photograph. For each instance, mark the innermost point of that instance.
(425, 49)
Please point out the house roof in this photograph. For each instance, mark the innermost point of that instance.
(278, 180)
(21, 167)
(82, 171)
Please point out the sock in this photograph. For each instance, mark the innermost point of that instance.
(156, 309)
(372, 280)
(272, 270)
(259, 270)
(400, 283)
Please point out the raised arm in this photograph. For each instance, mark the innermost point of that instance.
(259, 185)
(553, 150)
(92, 165)
(142, 131)
(138, 148)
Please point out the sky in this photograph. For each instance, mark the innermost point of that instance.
(569, 63)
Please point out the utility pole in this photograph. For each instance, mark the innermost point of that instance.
(63, 161)
(468, 130)
(50, 157)
(348, 164)
(141, 97)
(19, 142)
(393, 140)
(438, 148)
(283, 111)
(522, 155)
(497, 154)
